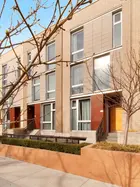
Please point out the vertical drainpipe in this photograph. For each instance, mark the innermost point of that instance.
(62, 80)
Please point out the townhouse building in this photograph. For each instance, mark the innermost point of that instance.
(63, 98)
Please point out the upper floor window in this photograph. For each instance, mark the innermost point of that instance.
(51, 85)
(117, 29)
(77, 79)
(4, 75)
(18, 68)
(36, 88)
(29, 61)
(101, 73)
(77, 45)
(51, 55)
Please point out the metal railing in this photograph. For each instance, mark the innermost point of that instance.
(100, 131)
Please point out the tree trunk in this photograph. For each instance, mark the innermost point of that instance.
(126, 130)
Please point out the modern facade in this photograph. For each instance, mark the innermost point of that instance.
(63, 98)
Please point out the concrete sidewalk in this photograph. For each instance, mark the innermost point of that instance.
(14, 173)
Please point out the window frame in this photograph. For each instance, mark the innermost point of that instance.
(94, 69)
(47, 90)
(29, 61)
(33, 88)
(52, 113)
(53, 60)
(75, 52)
(115, 23)
(76, 107)
(4, 75)
(76, 85)
(18, 68)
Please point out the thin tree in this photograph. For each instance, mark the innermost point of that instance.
(124, 76)
(23, 22)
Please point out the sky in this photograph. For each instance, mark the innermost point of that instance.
(44, 15)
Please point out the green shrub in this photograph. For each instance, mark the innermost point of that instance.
(117, 147)
(59, 147)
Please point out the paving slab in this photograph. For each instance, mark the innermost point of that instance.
(14, 173)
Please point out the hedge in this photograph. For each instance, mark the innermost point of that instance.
(117, 147)
(59, 147)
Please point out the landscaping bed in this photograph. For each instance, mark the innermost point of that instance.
(59, 147)
(117, 147)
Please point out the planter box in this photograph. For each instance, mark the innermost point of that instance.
(120, 168)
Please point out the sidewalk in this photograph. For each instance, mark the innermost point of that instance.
(14, 173)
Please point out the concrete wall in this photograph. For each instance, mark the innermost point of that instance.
(120, 168)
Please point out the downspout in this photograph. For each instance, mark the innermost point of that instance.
(62, 80)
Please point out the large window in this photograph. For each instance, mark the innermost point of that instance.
(51, 85)
(36, 88)
(77, 79)
(80, 114)
(49, 116)
(77, 45)
(51, 55)
(101, 73)
(117, 29)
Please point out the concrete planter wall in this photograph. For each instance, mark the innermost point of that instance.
(108, 166)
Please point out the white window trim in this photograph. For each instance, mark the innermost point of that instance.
(75, 52)
(49, 62)
(6, 73)
(48, 122)
(77, 113)
(50, 91)
(115, 23)
(98, 68)
(34, 85)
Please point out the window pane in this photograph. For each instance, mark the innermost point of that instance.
(36, 92)
(36, 80)
(51, 52)
(76, 90)
(77, 75)
(51, 66)
(102, 80)
(101, 73)
(29, 57)
(84, 126)
(51, 81)
(78, 56)
(77, 41)
(47, 113)
(51, 95)
(53, 123)
(117, 35)
(84, 110)
(47, 126)
(117, 17)
(73, 119)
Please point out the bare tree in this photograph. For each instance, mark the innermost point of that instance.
(27, 22)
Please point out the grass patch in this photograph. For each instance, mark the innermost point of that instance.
(59, 147)
(117, 147)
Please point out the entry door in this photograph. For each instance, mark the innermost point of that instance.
(116, 119)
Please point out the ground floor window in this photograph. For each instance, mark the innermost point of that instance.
(80, 114)
(49, 116)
